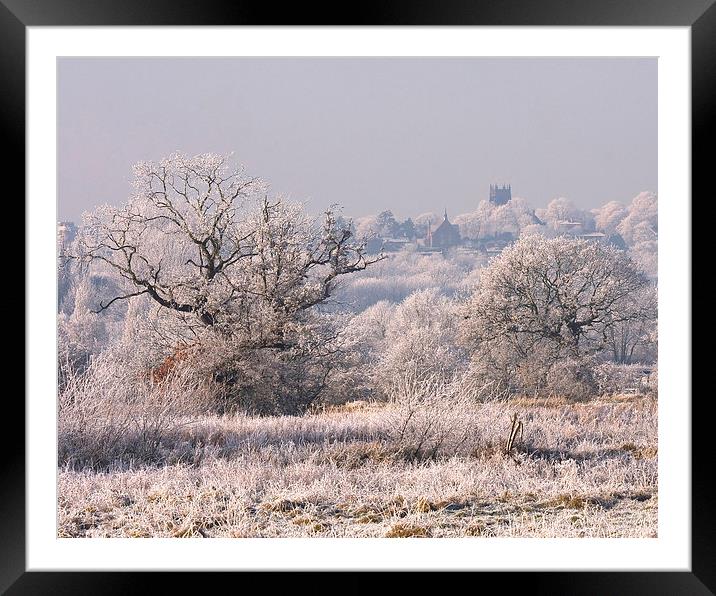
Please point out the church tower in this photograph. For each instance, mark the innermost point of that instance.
(500, 195)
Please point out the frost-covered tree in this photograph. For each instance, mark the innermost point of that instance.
(224, 264)
(81, 332)
(360, 347)
(423, 220)
(533, 229)
(646, 254)
(200, 237)
(523, 213)
(640, 231)
(490, 220)
(366, 226)
(559, 209)
(420, 341)
(404, 272)
(609, 216)
(642, 222)
(180, 238)
(634, 340)
(387, 224)
(544, 300)
(478, 224)
(407, 229)
(65, 272)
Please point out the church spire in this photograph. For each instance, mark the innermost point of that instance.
(445, 213)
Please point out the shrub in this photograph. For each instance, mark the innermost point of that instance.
(106, 416)
(432, 417)
(612, 378)
(572, 378)
(420, 336)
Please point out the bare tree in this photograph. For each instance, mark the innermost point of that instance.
(229, 269)
(545, 299)
(201, 237)
(634, 340)
(179, 238)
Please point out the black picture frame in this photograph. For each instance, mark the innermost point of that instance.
(699, 15)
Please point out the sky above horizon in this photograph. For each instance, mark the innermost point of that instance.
(407, 134)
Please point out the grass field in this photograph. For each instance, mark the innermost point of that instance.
(584, 469)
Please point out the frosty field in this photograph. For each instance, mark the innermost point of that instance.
(322, 316)
(578, 469)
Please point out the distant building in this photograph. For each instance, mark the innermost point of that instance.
(500, 195)
(445, 236)
(568, 226)
(395, 244)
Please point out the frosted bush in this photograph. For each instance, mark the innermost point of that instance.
(106, 415)
(431, 417)
(572, 379)
(613, 378)
(421, 339)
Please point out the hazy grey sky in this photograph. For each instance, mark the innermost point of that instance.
(409, 134)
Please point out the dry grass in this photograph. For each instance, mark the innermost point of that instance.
(587, 469)
(407, 531)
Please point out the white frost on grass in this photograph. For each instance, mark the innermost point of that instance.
(582, 470)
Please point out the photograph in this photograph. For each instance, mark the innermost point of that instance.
(357, 297)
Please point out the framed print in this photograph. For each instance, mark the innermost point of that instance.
(304, 289)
